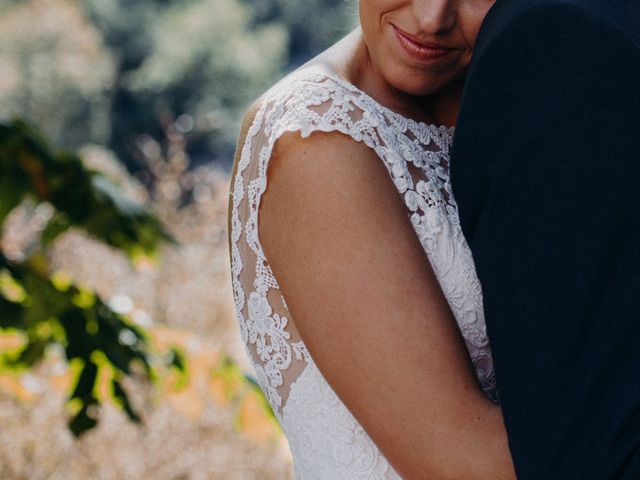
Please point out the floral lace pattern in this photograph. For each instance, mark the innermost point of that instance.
(326, 440)
(337, 437)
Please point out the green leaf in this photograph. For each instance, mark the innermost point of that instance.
(10, 289)
(11, 194)
(85, 419)
(123, 399)
(30, 354)
(86, 381)
(10, 314)
(79, 343)
(177, 359)
(57, 225)
(45, 301)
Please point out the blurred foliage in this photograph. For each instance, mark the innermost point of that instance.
(110, 71)
(45, 305)
(313, 25)
(238, 387)
(55, 70)
(146, 80)
(80, 197)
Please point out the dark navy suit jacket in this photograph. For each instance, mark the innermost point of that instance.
(546, 173)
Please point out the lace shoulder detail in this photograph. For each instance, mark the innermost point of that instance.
(304, 103)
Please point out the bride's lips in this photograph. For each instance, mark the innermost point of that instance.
(423, 52)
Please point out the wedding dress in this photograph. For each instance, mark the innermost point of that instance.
(326, 441)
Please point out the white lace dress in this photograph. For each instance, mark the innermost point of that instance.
(326, 441)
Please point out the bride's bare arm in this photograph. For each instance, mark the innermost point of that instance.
(369, 308)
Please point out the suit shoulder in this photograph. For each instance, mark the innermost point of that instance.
(547, 28)
(541, 13)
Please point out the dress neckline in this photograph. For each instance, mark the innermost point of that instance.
(315, 72)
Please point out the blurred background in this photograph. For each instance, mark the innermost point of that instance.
(120, 355)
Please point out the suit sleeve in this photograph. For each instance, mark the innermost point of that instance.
(546, 170)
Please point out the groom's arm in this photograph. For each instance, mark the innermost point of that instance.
(550, 131)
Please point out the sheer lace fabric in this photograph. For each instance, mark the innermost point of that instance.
(326, 440)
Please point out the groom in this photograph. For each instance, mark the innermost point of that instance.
(546, 172)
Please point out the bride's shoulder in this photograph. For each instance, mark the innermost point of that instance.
(310, 90)
(313, 98)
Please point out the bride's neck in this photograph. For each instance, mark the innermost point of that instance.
(350, 58)
(445, 105)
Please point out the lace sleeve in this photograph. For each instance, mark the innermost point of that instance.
(416, 157)
(315, 103)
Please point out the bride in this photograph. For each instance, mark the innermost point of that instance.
(354, 287)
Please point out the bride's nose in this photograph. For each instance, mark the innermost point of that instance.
(435, 16)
